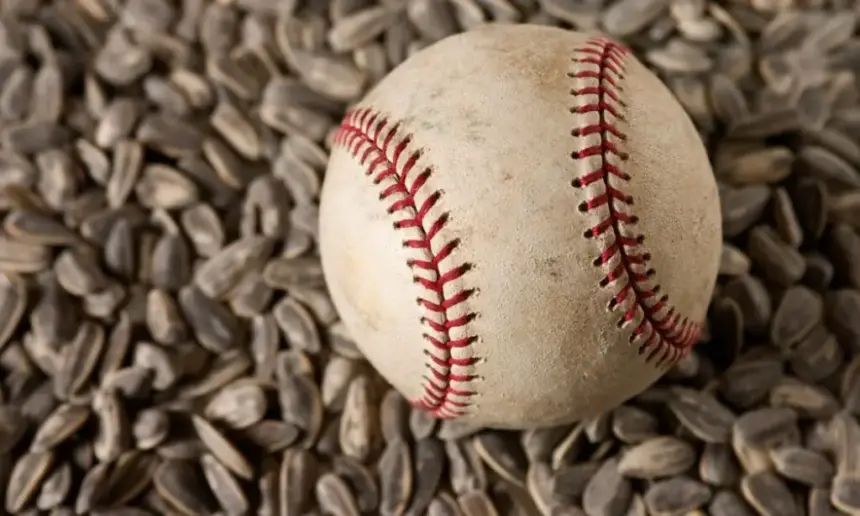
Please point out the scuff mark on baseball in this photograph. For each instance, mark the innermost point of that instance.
(520, 227)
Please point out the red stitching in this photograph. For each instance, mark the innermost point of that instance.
(664, 335)
(363, 133)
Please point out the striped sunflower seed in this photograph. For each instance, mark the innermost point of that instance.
(657, 457)
(678, 495)
(224, 486)
(768, 494)
(26, 478)
(221, 448)
(396, 478)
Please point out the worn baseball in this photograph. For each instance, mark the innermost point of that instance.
(519, 227)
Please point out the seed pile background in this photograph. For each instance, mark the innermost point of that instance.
(167, 345)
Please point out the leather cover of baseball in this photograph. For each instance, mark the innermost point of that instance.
(520, 227)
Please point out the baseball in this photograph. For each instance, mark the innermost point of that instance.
(520, 227)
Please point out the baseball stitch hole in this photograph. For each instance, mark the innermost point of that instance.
(576, 183)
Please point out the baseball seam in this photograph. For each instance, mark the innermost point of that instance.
(388, 157)
(662, 334)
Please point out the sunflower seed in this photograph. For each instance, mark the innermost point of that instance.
(222, 272)
(607, 492)
(15, 95)
(828, 166)
(113, 433)
(163, 187)
(429, 462)
(628, 16)
(236, 129)
(657, 457)
(204, 229)
(127, 166)
(360, 27)
(20, 257)
(79, 359)
(119, 250)
(55, 488)
(93, 487)
(798, 311)
(768, 165)
(224, 486)
(222, 448)
(396, 478)
(717, 466)
(336, 379)
(34, 228)
(768, 427)
(422, 424)
(679, 495)
(746, 383)
(215, 327)
(13, 301)
(34, 136)
(729, 503)
(238, 405)
(702, 415)
(817, 356)
(227, 164)
(26, 477)
(768, 495)
(802, 465)
(163, 319)
(298, 474)
(174, 137)
(742, 206)
(356, 425)
(334, 496)
(807, 400)
(781, 263)
(150, 428)
(79, 273)
(228, 366)
(272, 435)
(183, 487)
(265, 209)
(60, 425)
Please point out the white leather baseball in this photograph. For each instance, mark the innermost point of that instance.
(520, 227)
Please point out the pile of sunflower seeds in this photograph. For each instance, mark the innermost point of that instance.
(168, 346)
